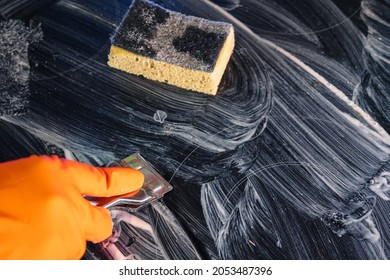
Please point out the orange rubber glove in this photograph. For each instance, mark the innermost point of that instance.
(43, 214)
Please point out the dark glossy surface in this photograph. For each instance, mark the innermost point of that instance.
(277, 165)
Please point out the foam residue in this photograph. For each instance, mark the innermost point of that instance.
(228, 5)
(160, 116)
(15, 39)
(372, 91)
(277, 166)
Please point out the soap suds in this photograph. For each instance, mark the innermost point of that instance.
(15, 39)
(160, 116)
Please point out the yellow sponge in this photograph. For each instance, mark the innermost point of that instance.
(185, 51)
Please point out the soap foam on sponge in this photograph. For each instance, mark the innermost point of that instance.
(185, 51)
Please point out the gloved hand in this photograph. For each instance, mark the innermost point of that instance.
(43, 214)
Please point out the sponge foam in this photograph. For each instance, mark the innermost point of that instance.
(166, 46)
